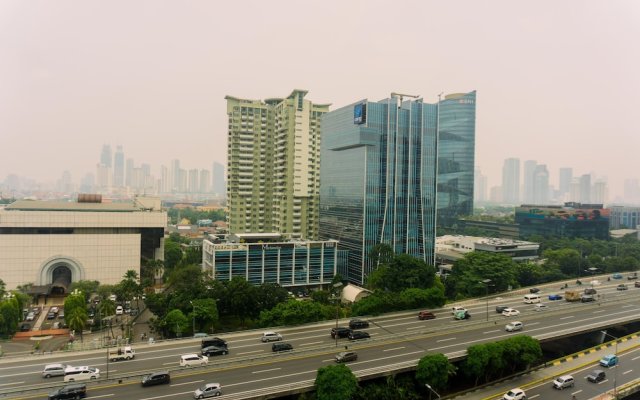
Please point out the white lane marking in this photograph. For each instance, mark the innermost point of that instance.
(249, 352)
(186, 383)
(310, 344)
(533, 323)
(534, 396)
(169, 395)
(102, 395)
(445, 340)
(264, 370)
(12, 383)
(494, 331)
(576, 392)
(601, 382)
(599, 311)
(626, 372)
(635, 358)
(628, 305)
(395, 348)
(329, 360)
(570, 316)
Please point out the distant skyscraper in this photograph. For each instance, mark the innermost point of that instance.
(104, 178)
(456, 156)
(166, 184)
(540, 187)
(600, 191)
(585, 189)
(129, 171)
(65, 185)
(105, 157)
(631, 191)
(528, 176)
(118, 168)
(205, 181)
(511, 181)
(218, 184)
(378, 176)
(194, 181)
(480, 186)
(175, 175)
(564, 182)
(274, 165)
(87, 184)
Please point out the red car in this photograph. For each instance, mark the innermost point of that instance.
(426, 315)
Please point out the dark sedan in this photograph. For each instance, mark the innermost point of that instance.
(214, 351)
(340, 332)
(357, 335)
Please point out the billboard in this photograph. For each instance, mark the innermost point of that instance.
(360, 113)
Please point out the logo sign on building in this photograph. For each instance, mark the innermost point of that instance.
(360, 113)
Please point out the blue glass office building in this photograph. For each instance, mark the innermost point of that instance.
(456, 157)
(378, 180)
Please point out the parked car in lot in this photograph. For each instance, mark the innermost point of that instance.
(54, 309)
(554, 297)
(357, 335)
(564, 381)
(515, 394)
(358, 324)
(270, 337)
(621, 286)
(156, 378)
(514, 326)
(500, 309)
(208, 390)
(422, 315)
(597, 375)
(340, 332)
(510, 312)
(214, 351)
(73, 391)
(277, 347)
(609, 360)
(30, 316)
(25, 328)
(193, 360)
(346, 356)
(51, 315)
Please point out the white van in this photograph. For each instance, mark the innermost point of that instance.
(73, 374)
(531, 298)
(192, 360)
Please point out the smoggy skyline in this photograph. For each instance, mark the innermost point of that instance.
(557, 82)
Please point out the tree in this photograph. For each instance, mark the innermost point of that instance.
(3, 287)
(567, 259)
(435, 369)
(335, 382)
(295, 312)
(76, 319)
(176, 322)
(402, 272)
(268, 295)
(242, 299)
(74, 301)
(10, 316)
(172, 254)
(86, 287)
(469, 272)
(205, 312)
(476, 363)
(320, 296)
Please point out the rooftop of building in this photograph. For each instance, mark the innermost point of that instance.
(484, 240)
(41, 205)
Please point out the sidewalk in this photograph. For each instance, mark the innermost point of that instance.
(560, 366)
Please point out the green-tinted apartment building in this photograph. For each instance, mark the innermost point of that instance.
(273, 171)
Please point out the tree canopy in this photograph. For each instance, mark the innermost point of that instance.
(335, 382)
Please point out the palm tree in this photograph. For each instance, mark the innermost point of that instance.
(107, 308)
(77, 319)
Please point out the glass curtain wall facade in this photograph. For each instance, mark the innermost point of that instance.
(456, 156)
(378, 180)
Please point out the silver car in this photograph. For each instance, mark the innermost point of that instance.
(208, 390)
(53, 370)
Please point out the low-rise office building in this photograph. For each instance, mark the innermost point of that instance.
(450, 248)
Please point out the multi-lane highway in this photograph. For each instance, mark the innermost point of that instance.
(251, 367)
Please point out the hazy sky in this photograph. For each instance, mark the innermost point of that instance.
(557, 81)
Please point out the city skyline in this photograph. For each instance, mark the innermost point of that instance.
(558, 87)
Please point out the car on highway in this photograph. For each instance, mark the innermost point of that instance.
(73, 391)
(637, 284)
(515, 394)
(534, 290)
(270, 337)
(422, 315)
(358, 335)
(500, 309)
(358, 324)
(208, 390)
(53, 370)
(340, 332)
(345, 356)
(564, 381)
(597, 375)
(616, 276)
(193, 360)
(277, 347)
(621, 286)
(200, 335)
(554, 297)
(458, 309)
(73, 374)
(462, 315)
(156, 378)
(609, 360)
(213, 341)
(594, 282)
(590, 291)
(214, 351)
(540, 307)
(585, 298)
(633, 276)
(514, 326)
(510, 312)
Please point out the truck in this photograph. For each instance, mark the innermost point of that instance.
(572, 295)
(125, 353)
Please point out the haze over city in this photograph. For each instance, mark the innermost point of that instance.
(556, 82)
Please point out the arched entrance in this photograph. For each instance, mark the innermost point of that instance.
(60, 279)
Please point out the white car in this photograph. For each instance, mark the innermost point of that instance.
(270, 337)
(55, 310)
(540, 307)
(191, 360)
(119, 310)
(458, 309)
(510, 312)
(514, 326)
(515, 394)
(30, 316)
(75, 374)
(208, 390)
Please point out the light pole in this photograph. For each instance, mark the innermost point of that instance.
(486, 286)
(615, 374)
(193, 317)
(336, 287)
(431, 390)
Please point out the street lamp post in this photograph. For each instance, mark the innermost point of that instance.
(193, 317)
(337, 286)
(431, 390)
(486, 286)
(615, 374)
